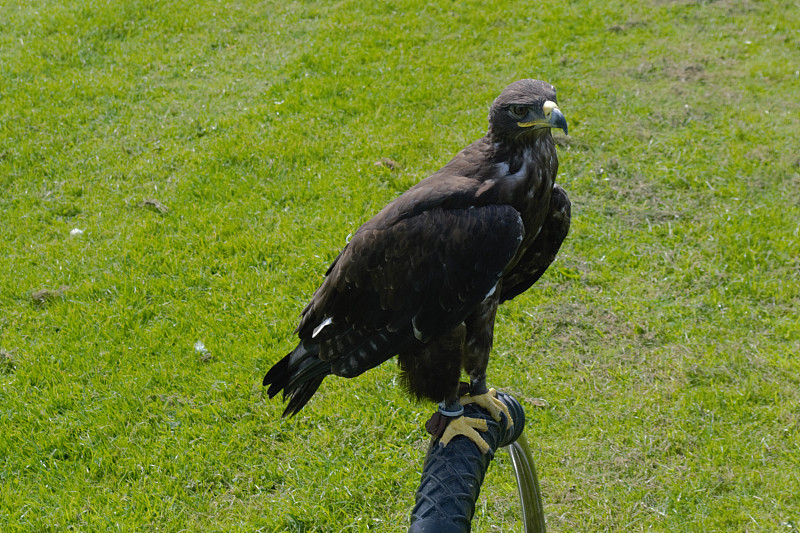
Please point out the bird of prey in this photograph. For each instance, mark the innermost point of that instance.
(422, 279)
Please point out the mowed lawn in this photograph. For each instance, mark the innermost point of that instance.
(175, 178)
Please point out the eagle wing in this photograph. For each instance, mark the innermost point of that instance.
(538, 256)
(406, 281)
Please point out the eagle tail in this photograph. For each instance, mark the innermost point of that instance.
(298, 375)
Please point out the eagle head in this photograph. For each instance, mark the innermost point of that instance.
(525, 108)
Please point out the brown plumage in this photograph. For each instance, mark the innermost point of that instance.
(423, 278)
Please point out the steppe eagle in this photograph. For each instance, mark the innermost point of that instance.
(422, 279)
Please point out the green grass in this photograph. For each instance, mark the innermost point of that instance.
(665, 338)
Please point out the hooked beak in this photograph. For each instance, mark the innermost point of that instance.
(553, 118)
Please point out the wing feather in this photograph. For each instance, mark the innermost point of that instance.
(403, 283)
(535, 260)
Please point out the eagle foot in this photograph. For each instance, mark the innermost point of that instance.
(467, 427)
(489, 401)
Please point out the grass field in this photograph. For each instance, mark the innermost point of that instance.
(176, 176)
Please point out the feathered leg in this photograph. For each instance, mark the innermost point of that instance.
(477, 345)
(432, 371)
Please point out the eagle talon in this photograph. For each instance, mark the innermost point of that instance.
(490, 402)
(466, 426)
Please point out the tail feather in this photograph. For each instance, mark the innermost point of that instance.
(298, 375)
(299, 397)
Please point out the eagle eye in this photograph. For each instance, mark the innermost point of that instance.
(518, 111)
